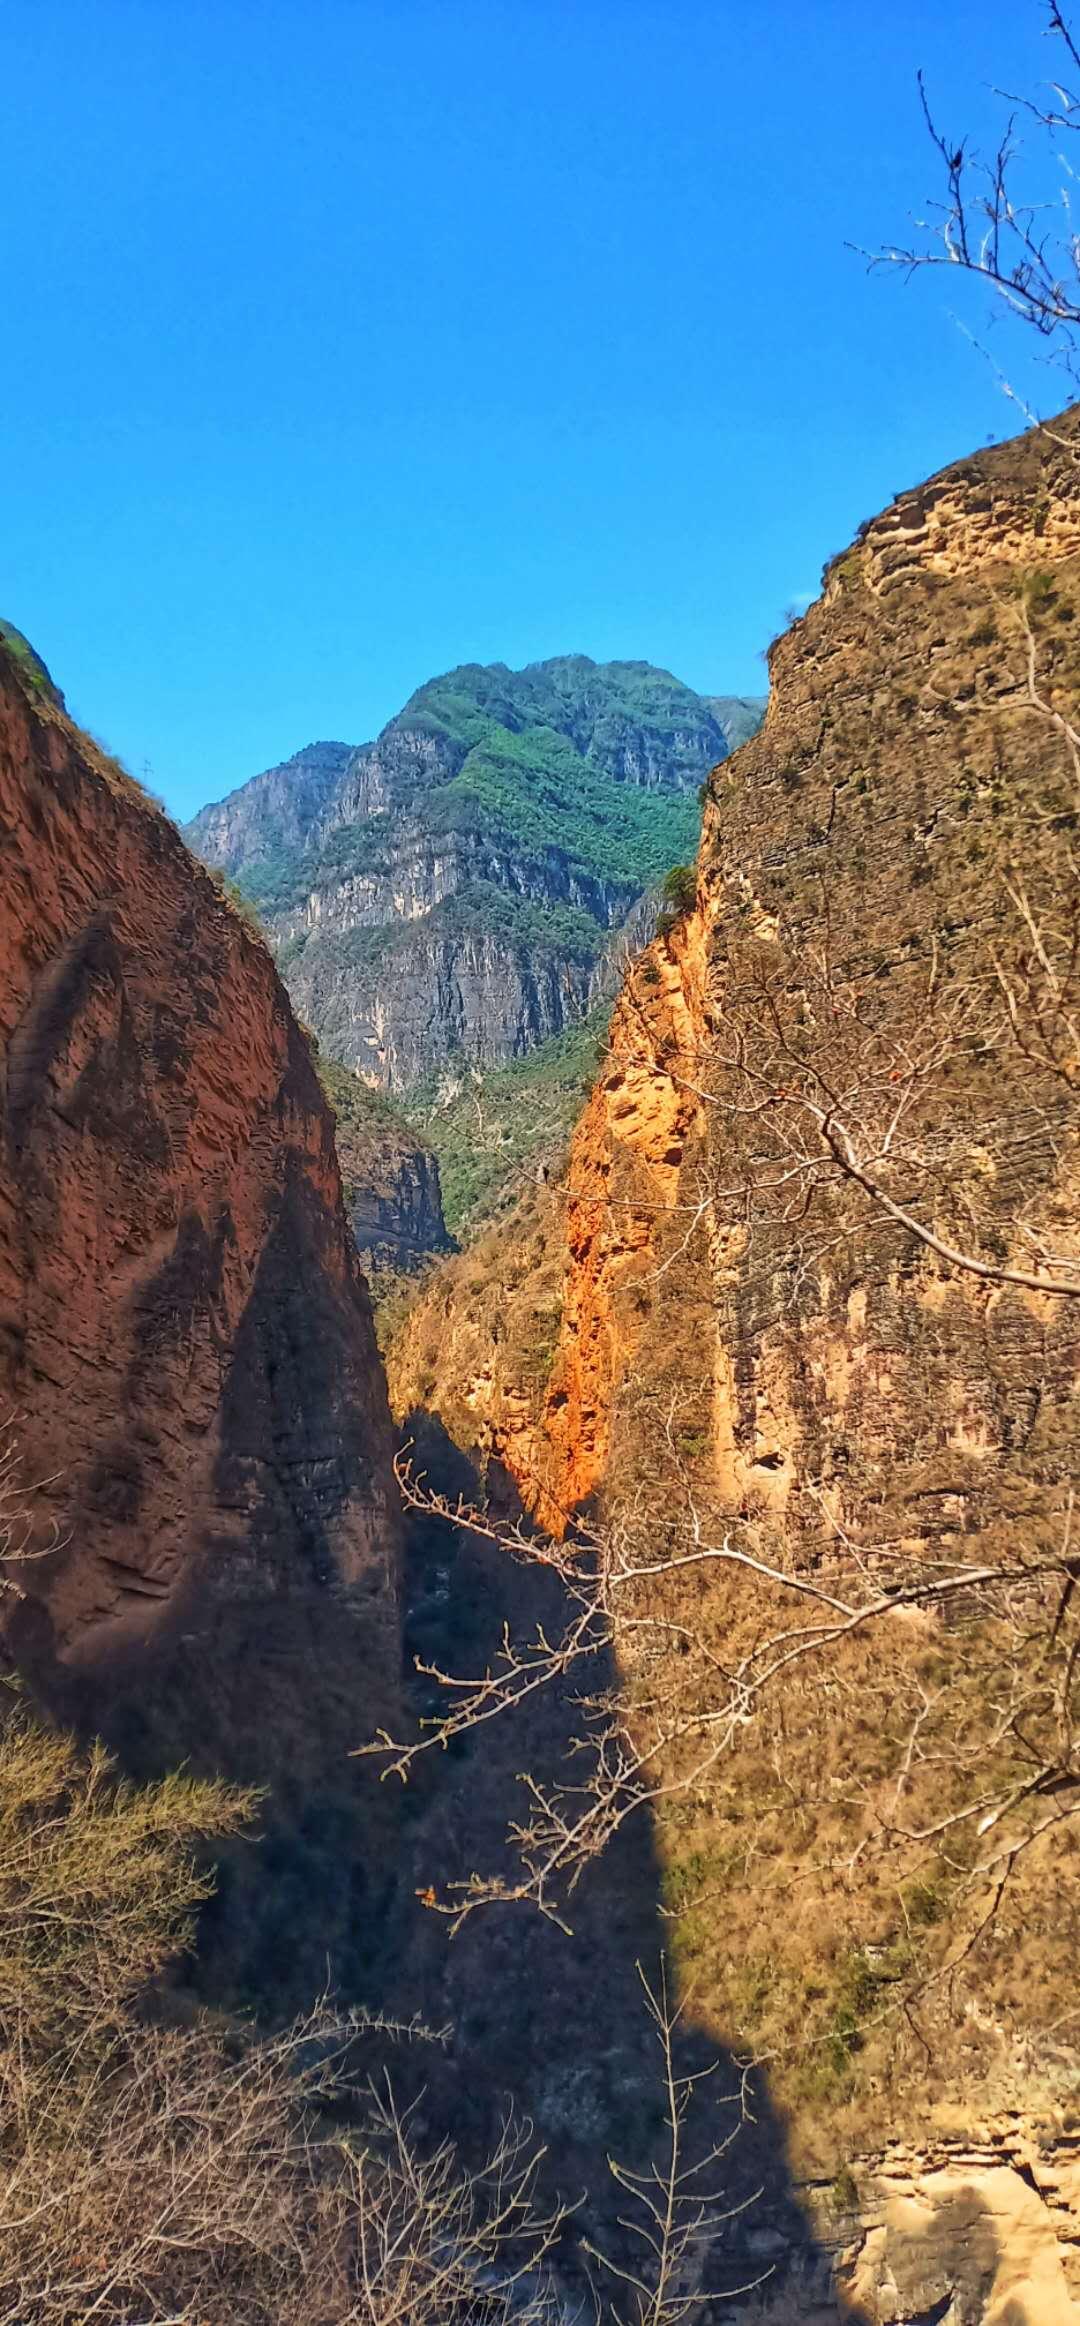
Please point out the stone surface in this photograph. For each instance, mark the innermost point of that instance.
(417, 926)
(390, 1178)
(185, 1336)
(982, 2232)
(627, 1343)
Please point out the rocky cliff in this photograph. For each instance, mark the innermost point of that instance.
(186, 1344)
(453, 892)
(390, 1177)
(808, 1288)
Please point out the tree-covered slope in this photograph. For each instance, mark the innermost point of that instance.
(493, 1131)
(448, 893)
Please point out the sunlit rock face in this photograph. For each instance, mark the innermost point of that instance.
(463, 888)
(647, 1341)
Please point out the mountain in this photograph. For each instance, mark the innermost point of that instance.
(738, 716)
(452, 894)
(795, 1327)
(778, 1711)
(187, 1356)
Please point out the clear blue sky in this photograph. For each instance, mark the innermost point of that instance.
(346, 340)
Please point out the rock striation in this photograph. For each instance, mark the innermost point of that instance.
(709, 1322)
(185, 1336)
(458, 891)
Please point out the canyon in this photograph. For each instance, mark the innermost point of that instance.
(791, 1314)
(465, 890)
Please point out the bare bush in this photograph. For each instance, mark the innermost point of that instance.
(177, 2182)
(1005, 217)
(155, 2171)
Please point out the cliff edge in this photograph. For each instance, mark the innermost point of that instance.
(803, 1305)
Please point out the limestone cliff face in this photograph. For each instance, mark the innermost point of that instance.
(185, 1336)
(455, 891)
(390, 1177)
(280, 808)
(441, 989)
(395, 1210)
(476, 1349)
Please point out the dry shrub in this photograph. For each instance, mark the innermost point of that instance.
(154, 2171)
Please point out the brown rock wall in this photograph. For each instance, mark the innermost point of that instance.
(185, 1336)
(807, 1369)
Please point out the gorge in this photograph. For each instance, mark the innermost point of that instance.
(761, 1389)
(463, 892)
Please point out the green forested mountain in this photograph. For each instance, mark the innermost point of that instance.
(452, 894)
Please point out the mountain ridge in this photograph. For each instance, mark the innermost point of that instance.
(489, 843)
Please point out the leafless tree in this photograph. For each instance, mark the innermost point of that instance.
(677, 2210)
(21, 1538)
(929, 1116)
(1005, 217)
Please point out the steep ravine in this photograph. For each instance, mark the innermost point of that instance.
(187, 1335)
(648, 1335)
(189, 1342)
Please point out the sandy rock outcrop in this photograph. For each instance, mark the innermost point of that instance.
(982, 2231)
(909, 761)
(747, 1332)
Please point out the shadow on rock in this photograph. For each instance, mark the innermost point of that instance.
(556, 2025)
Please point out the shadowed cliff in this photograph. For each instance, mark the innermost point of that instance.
(553, 2020)
(186, 1344)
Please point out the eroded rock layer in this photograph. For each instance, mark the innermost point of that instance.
(741, 1337)
(185, 1336)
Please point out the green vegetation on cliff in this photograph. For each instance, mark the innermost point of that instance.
(541, 794)
(489, 1129)
(286, 875)
(361, 1111)
(528, 792)
(449, 892)
(30, 664)
(629, 719)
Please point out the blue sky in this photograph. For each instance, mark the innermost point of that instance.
(350, 339)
